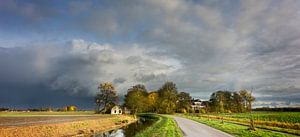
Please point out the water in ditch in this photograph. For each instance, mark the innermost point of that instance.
(131, 129)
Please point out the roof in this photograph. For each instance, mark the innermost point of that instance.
(116, 107)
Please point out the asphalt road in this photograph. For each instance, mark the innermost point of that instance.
(191, 128)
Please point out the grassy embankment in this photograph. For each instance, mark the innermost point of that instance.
(237, 124)
(163, 127)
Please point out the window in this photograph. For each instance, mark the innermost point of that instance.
(120, 111)
(115, 111)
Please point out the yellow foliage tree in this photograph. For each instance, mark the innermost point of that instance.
(152, 101)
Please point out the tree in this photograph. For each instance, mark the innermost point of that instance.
(213, 104)
(106, 98)
(183, 102)
(217, 101)
(247, 99)
(136, 99)
(153, 101)
(167, 98)
(237, 103)
(226, 101)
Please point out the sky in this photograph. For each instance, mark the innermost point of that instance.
(55, 53)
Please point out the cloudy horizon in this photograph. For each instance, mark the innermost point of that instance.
(55, 53)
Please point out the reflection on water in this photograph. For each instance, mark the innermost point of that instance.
(113, 133)
(130, 130)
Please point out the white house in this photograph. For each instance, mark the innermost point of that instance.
(116, 110)
(197, 105)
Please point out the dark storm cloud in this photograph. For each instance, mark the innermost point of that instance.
(30, 13)
(202, 46)
(39, 95)
(35, 76)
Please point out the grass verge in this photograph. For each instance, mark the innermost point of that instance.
(163, 127)
(234, 129)
(283, 127)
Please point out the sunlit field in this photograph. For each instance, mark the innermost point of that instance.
(287, 117)
(31, 114)
(286, 122)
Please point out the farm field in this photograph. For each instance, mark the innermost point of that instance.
(286, 122)
(30, 118)
(236, 129)
(58, 123)
(287, 117)
(29, 114)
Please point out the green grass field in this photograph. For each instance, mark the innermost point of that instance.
(164, 127)
(234, 129)
(287, 117)
(285, 122)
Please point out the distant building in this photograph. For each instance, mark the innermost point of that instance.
(126, 111)
(197, 105)
(116, 110)
(70, 108)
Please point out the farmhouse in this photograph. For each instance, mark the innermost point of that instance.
(197, 105)
(116, 110)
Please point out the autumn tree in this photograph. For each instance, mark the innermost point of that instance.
(106, 98)
(183, 102)
(136, 99)
(247, 99)
(226, 101)
(237, 104)
(217, 100)
(167, 98)
(153, 101)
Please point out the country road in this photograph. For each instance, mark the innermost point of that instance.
(191, 128)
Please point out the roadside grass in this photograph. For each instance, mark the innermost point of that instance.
(283, 120)
(163, 127)
(235, 129)
(264, 120)
(30, 114)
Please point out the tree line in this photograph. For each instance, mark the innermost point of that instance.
(167, 100)
(228, 102)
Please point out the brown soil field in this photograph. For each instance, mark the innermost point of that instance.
(23, 121)
(57, 126)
